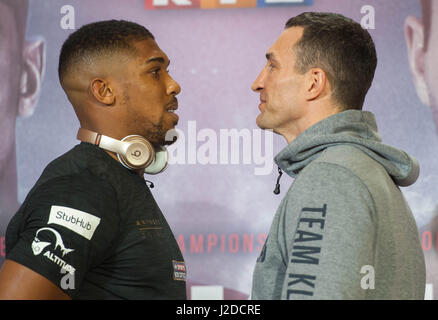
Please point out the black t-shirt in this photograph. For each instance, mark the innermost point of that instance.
(93, 228)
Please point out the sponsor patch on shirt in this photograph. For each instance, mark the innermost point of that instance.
(78, 221)
(179, 270)
(38, 247)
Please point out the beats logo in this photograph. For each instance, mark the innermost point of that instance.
(136, 153)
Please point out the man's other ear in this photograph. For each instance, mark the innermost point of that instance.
(415, 42)
(31, 76)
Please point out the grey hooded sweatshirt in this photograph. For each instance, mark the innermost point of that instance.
(343, 230)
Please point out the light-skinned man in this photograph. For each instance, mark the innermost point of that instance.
(343, 229)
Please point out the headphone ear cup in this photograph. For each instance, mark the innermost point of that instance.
(139, 153)
(159, 163)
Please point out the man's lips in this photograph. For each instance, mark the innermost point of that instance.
(262, 102)
(171, 107)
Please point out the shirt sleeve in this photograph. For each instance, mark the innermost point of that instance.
(65, 227)
(329, 233)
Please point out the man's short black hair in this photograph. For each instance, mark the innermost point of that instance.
(99, 39)
(342, 48)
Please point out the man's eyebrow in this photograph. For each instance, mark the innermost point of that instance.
(156, 59)
(270, 56)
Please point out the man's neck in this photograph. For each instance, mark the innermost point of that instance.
(315, 114)
(113, 155)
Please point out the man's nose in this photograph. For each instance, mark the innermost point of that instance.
(258, 84)
(174, 88)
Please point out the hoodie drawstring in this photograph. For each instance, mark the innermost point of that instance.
(277, 186)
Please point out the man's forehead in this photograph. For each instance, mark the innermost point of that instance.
(285, 43)
(149, 51)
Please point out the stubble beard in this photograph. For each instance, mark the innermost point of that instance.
(158, 136)
(154, 134)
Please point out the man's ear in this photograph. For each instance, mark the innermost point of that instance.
(316, 83)
(415, 42)
(31, 76)
(102, 91)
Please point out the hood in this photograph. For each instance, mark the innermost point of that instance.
(355, 128)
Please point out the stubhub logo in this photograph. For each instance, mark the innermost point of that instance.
(213, 4)
(78, 221)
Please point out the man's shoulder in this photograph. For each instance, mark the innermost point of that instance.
(77, 172)
(347, 169)
(74, 182)
(345, 155)
(84, 164)
(80, 191)
(81, 157)
(340, 164)
(349, 158)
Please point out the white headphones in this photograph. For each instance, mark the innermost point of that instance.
(134, 152)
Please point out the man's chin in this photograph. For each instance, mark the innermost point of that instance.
(261, 124)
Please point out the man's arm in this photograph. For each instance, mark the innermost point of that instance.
(329, 231)
(18, 282)
(65, 225)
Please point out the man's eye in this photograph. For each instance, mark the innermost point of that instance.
(155, 72)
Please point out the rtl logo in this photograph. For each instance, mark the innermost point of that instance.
(213, 4)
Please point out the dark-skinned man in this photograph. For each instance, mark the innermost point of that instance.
(90, 227)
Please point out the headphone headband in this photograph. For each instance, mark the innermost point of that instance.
(133, 151)
(102, 141)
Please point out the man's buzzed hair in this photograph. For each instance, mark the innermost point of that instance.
(99, 39)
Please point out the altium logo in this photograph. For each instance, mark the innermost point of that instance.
(38, 246)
